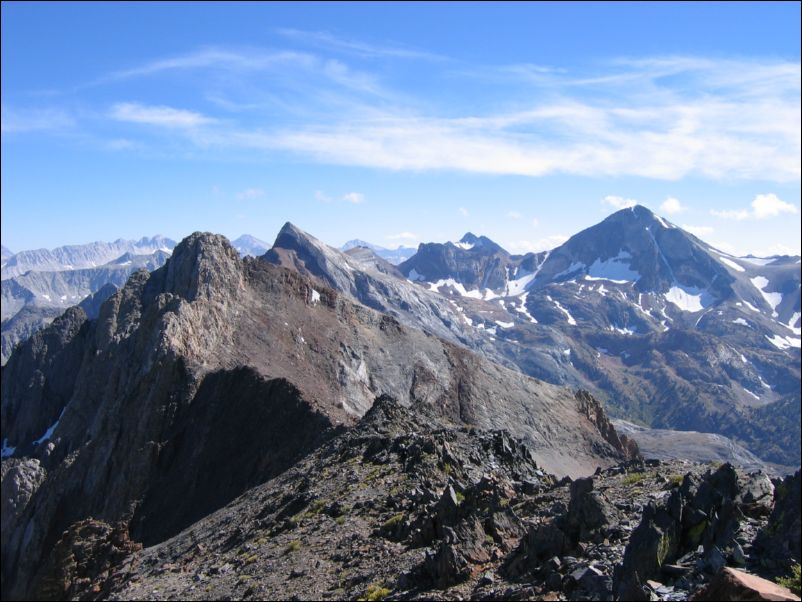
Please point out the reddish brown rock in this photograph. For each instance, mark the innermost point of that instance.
(732, 584)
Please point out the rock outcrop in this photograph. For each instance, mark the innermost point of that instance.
(215, 369)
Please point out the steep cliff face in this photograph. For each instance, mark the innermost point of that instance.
(213, 374)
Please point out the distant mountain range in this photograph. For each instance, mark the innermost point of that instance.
(394, 256)
(670, 332)
(74, 257)
(39, 285)
(250, 246)
(218, 368)
(215, 369)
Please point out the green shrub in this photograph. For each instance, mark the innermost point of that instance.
(394, 520)
(293, 546)
(793, 581)
(460, 497)
(375, 591)
(634, 477)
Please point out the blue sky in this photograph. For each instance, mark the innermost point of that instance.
(399, 123)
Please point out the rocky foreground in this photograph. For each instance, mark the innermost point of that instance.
(407, 506)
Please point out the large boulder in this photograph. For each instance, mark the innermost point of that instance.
(732, 584)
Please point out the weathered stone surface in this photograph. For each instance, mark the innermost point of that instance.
(779, 541)
(20, 480)
(205, 370)
(82, 563)
(732, 584)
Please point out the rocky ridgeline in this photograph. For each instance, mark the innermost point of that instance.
(213, 375)
(404, 506)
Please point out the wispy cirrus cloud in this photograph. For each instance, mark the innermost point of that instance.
(158, 115)
(250, 194)
(230, 66)
(34, 120)
(662, 118)
(618, 202)
(355, 198)
(329, 41)
(762, 207)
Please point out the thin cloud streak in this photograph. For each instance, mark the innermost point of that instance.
(158, 115)
(662, 118)
(324, 39)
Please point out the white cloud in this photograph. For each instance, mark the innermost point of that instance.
(700, 231)
(763, 206)
(736, 214)
(619, 202)
(535, 222)
(544, 244)
(671, 206)
(464, 212)
(327, 40)
(250, 194)
(513, 215)
(322, 197)
(402, 236)
(157, 115)
(658, 117)
(354, 197)
(768, 205)
(33, 120)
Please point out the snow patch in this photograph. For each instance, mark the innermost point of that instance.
(568, 315)
(784, 342)
(688, 298)
(49, 431)
(752, 307)
(794, 319)
(522, 309)
(662, 222)
(315, 297)
(741, 321)
(464, 245)
(414, 275)
(752, 394)
(731, 263)
(7, 450)
(518, 286)
(773, 299)
(572, 269)
(457, 286)
(505, 324)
